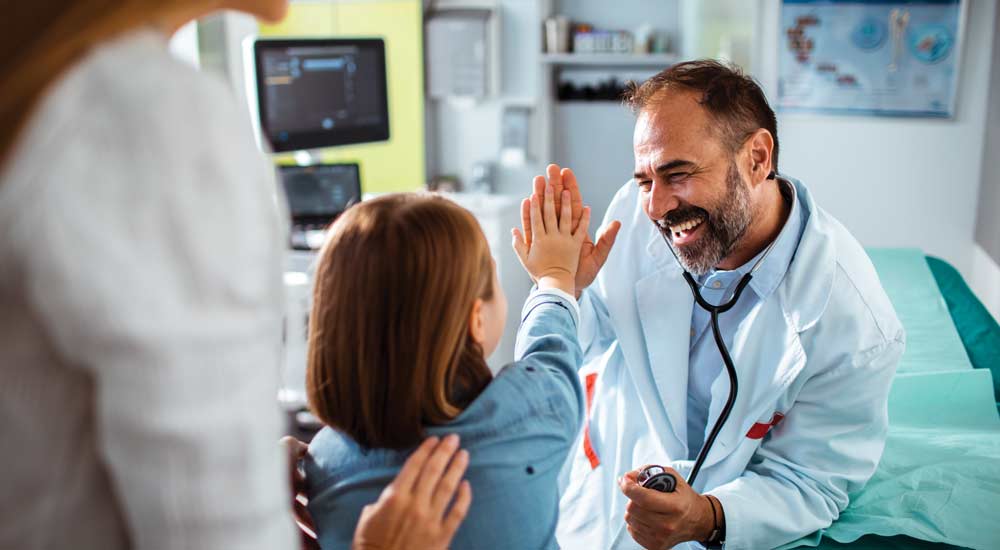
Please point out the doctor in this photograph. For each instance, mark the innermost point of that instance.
(814, 338)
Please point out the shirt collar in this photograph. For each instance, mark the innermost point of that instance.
(775, 265)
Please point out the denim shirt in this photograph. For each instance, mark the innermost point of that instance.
(518, 433)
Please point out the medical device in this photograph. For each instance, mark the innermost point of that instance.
(317, 194)
(656, 479)
(314, 93)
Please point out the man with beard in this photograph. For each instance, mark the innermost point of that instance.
(813, 336)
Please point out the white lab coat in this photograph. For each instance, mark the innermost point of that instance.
(821, 351)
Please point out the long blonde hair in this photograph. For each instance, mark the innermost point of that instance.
(389, 345)
(42, 39)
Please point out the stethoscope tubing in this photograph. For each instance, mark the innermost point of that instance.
(654, 477)
(714, 311)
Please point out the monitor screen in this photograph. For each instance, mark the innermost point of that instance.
(314, 93)
(319, 193)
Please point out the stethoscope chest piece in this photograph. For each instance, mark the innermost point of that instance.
(656, 478)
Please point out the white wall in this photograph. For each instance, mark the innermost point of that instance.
(986, 254)
(898, 182)
(984, 279)
(595, 140)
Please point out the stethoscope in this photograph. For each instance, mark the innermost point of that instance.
(655, 477)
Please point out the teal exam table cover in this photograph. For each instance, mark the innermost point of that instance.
(938, 483)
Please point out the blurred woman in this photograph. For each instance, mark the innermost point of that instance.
(140, 293)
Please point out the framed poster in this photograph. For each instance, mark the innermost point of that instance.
(870, 57)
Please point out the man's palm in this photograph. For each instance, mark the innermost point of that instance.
(590, 263)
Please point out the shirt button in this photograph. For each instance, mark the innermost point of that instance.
(717, 284)
(692, 332)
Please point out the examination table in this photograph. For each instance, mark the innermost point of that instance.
(938, 484)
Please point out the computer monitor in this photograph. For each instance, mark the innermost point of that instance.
(316, 195)
(314, 93)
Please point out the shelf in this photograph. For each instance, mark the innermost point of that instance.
(661, 60)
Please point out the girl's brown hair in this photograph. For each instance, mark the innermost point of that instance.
(389, 343)
(41, 39)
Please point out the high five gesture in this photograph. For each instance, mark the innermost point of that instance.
(592, 255)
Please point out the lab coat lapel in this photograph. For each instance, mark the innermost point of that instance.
(664, 304)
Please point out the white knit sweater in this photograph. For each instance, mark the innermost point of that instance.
(140, 316)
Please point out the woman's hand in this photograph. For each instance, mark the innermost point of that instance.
(553, 255)
(413, 511)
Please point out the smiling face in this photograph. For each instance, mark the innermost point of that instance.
(690, 182)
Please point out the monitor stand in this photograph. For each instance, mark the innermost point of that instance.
(307, 157)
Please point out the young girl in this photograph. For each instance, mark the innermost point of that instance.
(406, 309)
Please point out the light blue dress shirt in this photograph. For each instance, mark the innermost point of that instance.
(704, 361)
(518, 432)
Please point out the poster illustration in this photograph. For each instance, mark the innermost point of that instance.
(870, 57)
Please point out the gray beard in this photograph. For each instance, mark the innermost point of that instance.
(723, 229)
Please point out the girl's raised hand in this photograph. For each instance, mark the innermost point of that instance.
(553, 255)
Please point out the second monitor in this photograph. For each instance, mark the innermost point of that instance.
(317, 195)
(314, 93)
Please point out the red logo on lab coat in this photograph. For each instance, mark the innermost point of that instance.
(589, 381)
(759, 430)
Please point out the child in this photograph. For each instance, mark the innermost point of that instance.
(406, 309)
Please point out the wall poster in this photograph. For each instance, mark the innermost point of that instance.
(870, 57)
